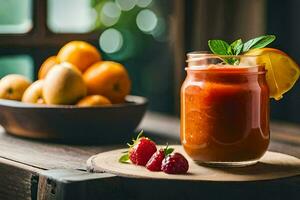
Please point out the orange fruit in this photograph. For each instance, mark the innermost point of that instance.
(94, 100)
(13, 86)
(46, 66)
(282, 71)
(79, 53)
(109, 79)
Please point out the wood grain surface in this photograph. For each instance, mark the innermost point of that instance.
(33, 169)
(17, 181)
(285, 138)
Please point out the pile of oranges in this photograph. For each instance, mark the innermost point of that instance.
(76, 75)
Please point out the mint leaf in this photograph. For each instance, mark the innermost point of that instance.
(124, 158)
(239, 49)
(218, 47)
(221, 47)
(264, 42)
(230, 50)
(236, 47)
(258, 42)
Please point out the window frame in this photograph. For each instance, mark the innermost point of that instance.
(40, 34)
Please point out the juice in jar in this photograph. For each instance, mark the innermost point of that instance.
(225, 114)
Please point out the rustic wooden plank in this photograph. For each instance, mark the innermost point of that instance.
(74, 184)
(19, 178)
(285, 127)
(70, 184)
(17, 181)
(164, 125)
(45, 155)
(50, 155)
(162, 128)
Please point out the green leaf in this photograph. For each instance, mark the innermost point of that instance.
(230, 51)
(124, 158)
(239, 49)
(236, 47)
(168, 151)
(258, 42)
(218, 47)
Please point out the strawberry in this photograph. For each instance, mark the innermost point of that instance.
(154, 164)
(140, 151)
(175, 163)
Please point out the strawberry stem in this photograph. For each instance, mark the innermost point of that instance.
(140, 134)
(135, 140)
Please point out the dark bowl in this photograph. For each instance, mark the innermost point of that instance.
(101, 124)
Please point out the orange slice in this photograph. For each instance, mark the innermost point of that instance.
(282, 71)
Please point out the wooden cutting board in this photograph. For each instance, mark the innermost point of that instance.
(271, 166)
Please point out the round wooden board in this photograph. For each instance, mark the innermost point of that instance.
(271, 166)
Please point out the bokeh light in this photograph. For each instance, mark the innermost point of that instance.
(146, 20)
(159, 33)
(110, 13)
(143, 3)
(126, 5)
(111, 40)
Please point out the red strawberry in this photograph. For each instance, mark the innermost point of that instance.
(140, 151)
(154, 164)
(175, 163)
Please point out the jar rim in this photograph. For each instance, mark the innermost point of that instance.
(258, 70)
(196, 55)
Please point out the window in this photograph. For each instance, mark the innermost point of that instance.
(70, 16)
(20, 64)
(15, 16)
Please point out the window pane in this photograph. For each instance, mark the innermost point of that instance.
(75, 16)
(15, 16)
(20, 64)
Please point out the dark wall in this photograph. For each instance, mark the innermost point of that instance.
(283, 20)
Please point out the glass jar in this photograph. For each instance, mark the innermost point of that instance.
(224, 110)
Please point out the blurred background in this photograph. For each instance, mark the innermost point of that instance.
(150, 37)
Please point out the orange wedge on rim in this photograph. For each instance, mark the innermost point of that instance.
(282, 71)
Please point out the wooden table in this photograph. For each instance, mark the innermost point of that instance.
(39, 170)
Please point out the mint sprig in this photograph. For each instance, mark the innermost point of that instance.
(237, 47)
